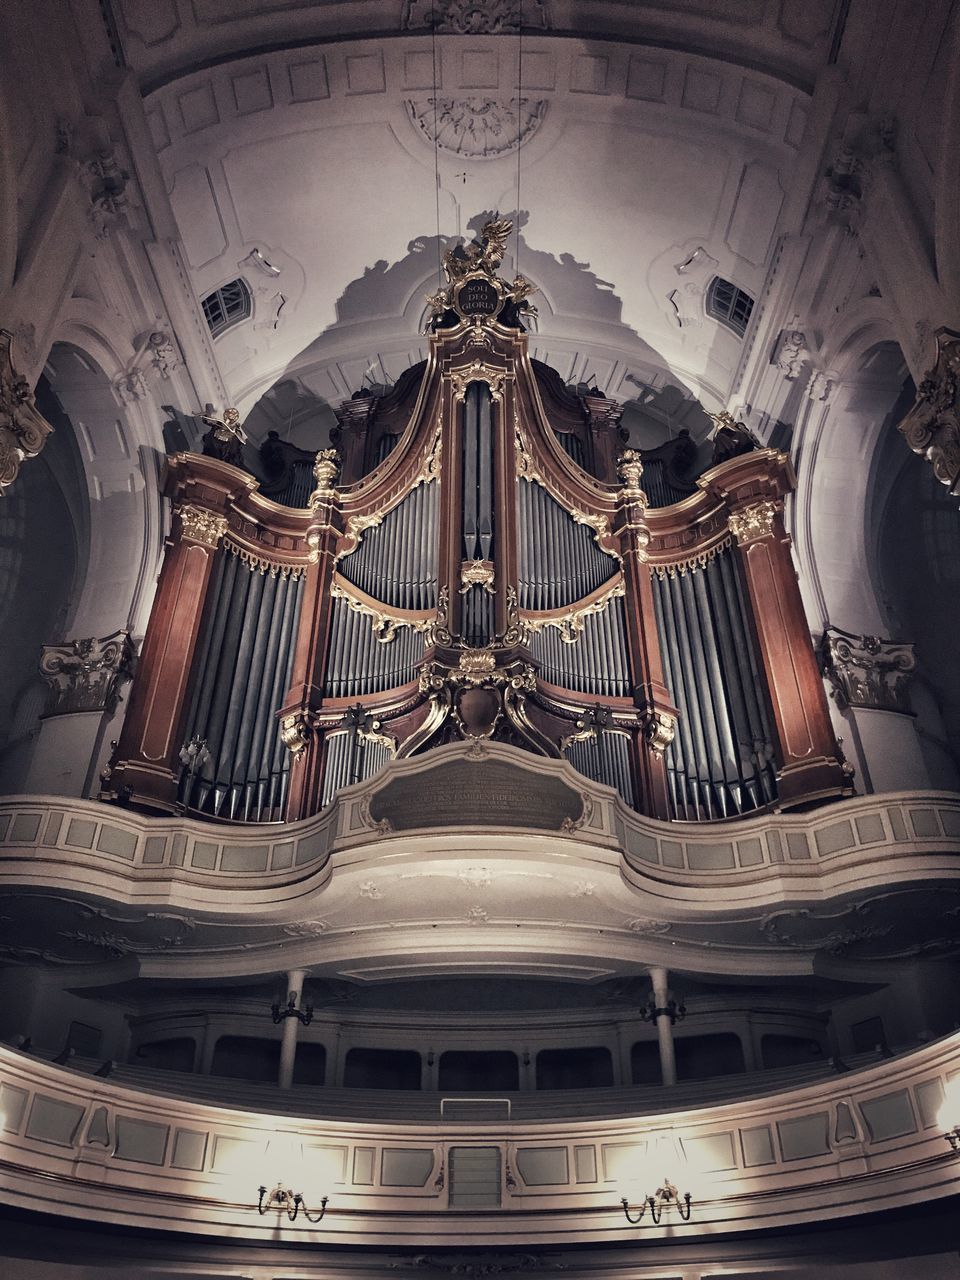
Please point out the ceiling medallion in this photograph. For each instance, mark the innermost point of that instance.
(477, 128)
(474, 17)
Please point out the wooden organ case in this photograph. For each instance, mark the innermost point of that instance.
(478, 559)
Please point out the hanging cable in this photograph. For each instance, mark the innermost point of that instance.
(519, 121)
(436, 134)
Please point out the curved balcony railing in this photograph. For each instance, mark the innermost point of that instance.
(92, 1149)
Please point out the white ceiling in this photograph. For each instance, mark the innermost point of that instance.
(318, 152)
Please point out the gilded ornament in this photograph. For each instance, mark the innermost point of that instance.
(325, 468)
(477, 573)
(630, 467)
(753, 522)
(570, 624)
(475, 291)
(383, 622)
(296, 732)
(658, 731)
(200, 525)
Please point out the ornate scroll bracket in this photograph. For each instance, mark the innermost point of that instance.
(932, 427)
(867, 672)
(753, 522)
(199, 525)
(86, 675)
(658, 731)
(297, 730)
(23, 431)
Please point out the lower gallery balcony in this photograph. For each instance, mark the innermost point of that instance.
(390, 1038)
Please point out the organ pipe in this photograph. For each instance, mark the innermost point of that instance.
(720, 762)
(245, 656)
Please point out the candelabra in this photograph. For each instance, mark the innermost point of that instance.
(661, 1199)
(290, 1010)
(291, 1202)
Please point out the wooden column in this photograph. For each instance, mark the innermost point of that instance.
(147, 758)
(752, 487)
(298, 715)
(809, 768)
(657, 713)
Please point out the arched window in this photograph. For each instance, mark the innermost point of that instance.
(227, 306)
(730, 305)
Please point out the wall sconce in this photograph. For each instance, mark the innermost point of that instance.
(290, 1010)
(283, 1198)
(672, 1010)
(284, 1167)
(948, 1117)
(662, 1198)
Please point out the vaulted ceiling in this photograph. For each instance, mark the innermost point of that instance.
(304, 149)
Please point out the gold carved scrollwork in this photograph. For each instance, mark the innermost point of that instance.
(438, 631)
(384, 623)
(22, 428)
(200, 525)
(753, 522)
(570, 624)
(658, 731)
(460, 379)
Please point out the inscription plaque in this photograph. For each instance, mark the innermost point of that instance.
(478, 297)
(466, 793)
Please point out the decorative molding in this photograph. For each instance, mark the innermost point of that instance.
(932, 426)
(753, 522)
(630, 467)
(867, 672)
(199, 525)
(262, 564)
(86, 675)
(470, 18)
(23, 431)
(477, 128)
(689, 564)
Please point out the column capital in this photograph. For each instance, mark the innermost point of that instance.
(86, 675)
(867, 672)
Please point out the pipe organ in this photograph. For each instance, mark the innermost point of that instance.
(479, 559)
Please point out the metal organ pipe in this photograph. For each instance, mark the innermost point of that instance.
(559, 560)
(721, 759)
(396, 561)
(246, 656)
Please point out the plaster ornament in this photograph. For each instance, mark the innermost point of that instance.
(477, 128)
(85, 675)
(475, 17)
(932, 426)
(867, 672)
(791, 353)
(23, 431)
